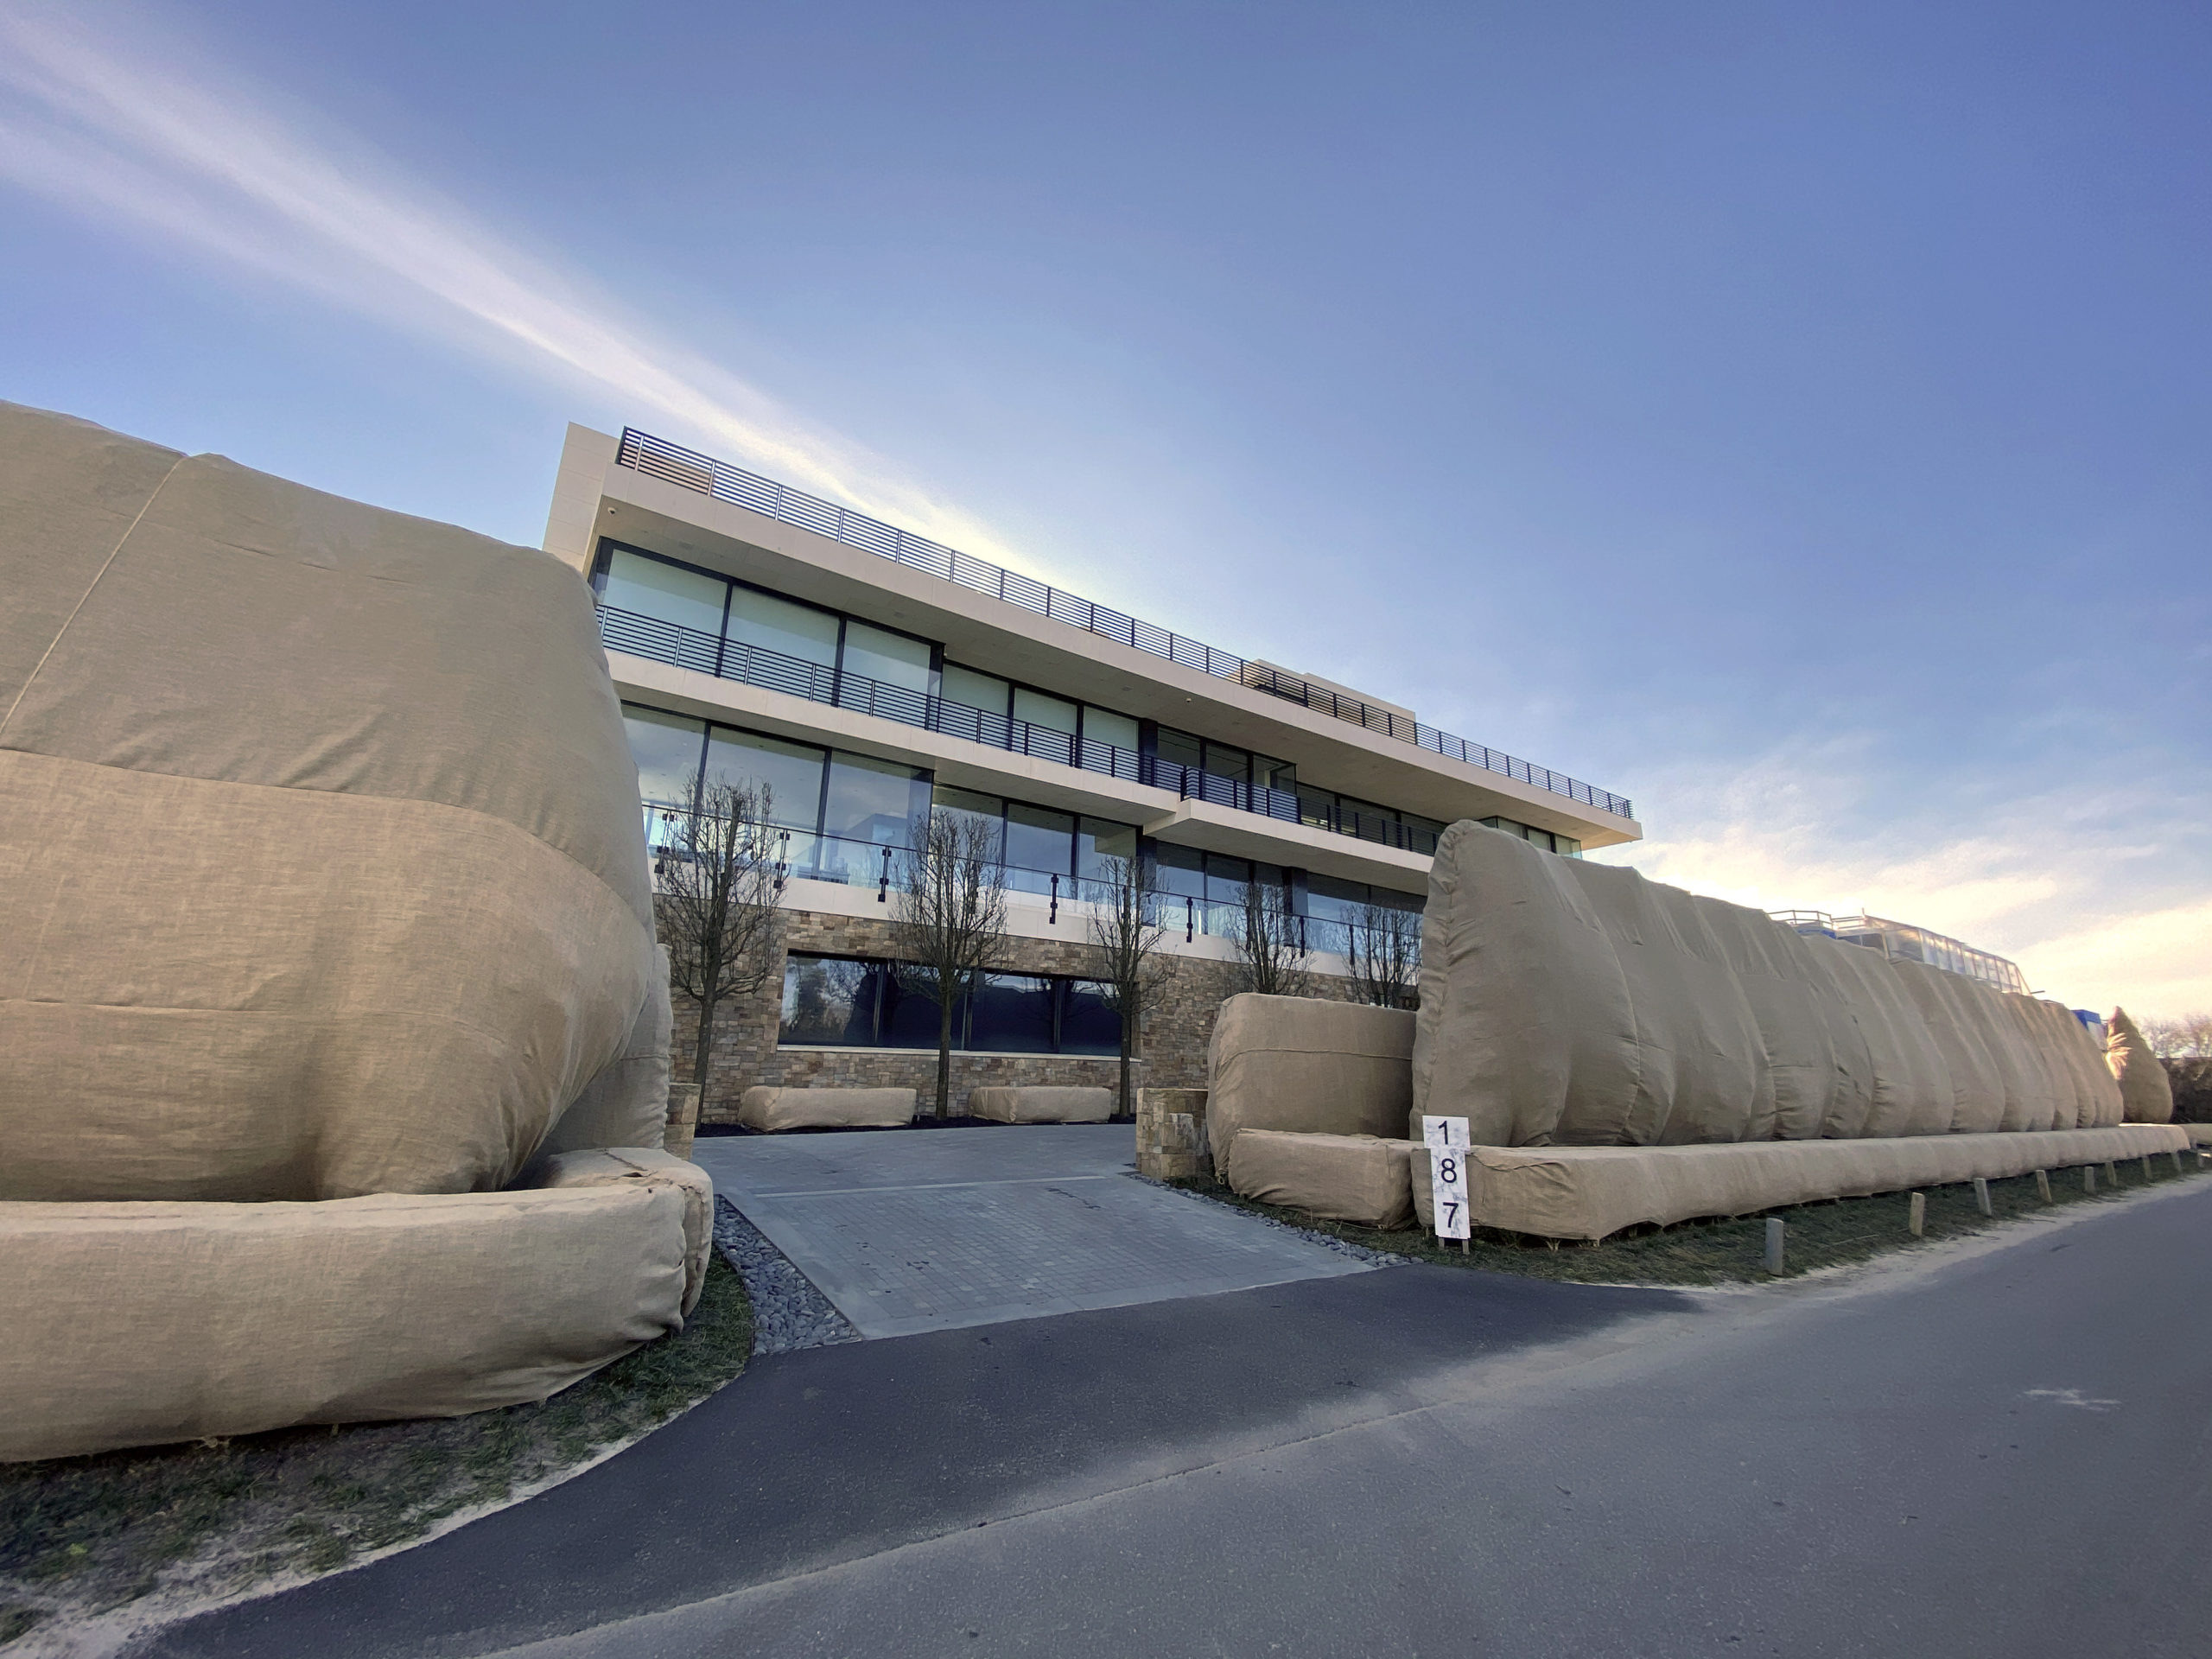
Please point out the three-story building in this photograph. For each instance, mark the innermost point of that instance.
(868, 676)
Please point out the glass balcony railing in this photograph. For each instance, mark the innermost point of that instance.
(733, 659)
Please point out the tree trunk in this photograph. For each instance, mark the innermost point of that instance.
(702, 1049)
(943, 1056)
(1129, 1042)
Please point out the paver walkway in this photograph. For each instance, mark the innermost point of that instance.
(929, 1229)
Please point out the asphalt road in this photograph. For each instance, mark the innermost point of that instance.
(2003, 1451)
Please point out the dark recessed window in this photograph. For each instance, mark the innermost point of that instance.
(846, 1003)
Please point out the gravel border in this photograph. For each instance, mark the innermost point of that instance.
(788, 1313)
(1327, 1241)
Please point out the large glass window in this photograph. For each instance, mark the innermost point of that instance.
(792, 773)
(894, 659)
(1097, 840)
(1104, 725)
(1039, 844)
(984, 808)
(670, 593)
(666, 749)
(838, 1002)
(966, 686)
(1011, 1014)
(1182, 749)
(1054, 714)
(1089, 1023)
(784, 627)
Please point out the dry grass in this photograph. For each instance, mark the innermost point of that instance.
(1728, 1250)
(84, 1536)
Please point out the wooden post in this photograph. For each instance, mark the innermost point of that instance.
(2146, 1169)
(2042, 1186)
(1981, 1195)
(2112, 1172)
(2089, 1178)
(1774, 1231)
(2177, 1158)
(1916, 1216)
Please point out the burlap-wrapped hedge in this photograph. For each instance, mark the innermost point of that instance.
(1570, 1003)
(1036, 1102)
(771, 1111)
(2147, 1093)
(324, 884)
(1307, 1065)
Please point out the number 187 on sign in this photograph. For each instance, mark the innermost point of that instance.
(1447, 1161)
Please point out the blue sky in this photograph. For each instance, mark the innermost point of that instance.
(1797, 417)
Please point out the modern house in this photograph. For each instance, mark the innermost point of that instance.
(867, 675)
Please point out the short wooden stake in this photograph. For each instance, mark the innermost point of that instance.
(1774, 1231)
(2177, 1158)
(1981, 1195)
(1916, 1216)
(2089, 1178)
(2146, 1169)
(2112, 1172)
(2042, 1186)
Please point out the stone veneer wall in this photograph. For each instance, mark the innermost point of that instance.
(1173, 1045)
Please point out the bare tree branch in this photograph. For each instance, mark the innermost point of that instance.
(949, 918)
(1125, 929)
(1271, 954)
(1384, 952)
(717, 890)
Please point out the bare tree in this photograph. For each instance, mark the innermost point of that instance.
(2188, 1038)
(949, 918)
(1271, 954)
(717, 889)
(1384, 952)
(1125, 929)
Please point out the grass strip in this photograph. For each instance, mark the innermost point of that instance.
(1728, 1250)
(87, 1536)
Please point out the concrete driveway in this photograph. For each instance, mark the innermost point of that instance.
(930, 1230)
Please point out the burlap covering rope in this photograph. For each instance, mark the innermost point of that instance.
(1569, 1003)
(319, 835)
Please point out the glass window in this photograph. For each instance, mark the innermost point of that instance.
(1104, 726)
(966, 804)
(1412, 903)
(1038, 838)
(909, 1018)
(1330, 899)
(1011, 1014)
(1181, 748)
(1225, 878)
(691, 599)
(792, 773)
(1226, 761)
(1316, 807)
(890, 657)
(985, 692)
(871, 800)
(1097, 840)
(1270, 774)
(1054, 714)
(1181, 871)
(780, 625)
(828, 1001)
(1089, 1024)
(667, 748)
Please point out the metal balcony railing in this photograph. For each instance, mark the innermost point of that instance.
(657, 458)
(733, 659)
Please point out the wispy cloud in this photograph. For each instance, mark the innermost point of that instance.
(181, 149)
(2089, 885)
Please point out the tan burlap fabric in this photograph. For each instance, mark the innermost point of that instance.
(1355, 1178)
(1308, 1065)
(1592, 1192)
(1040, 1103)
(323, 852)
(2147, 1093)
(325, 895)
(1569, 1003)
(137, 1324)
(771, 1109)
